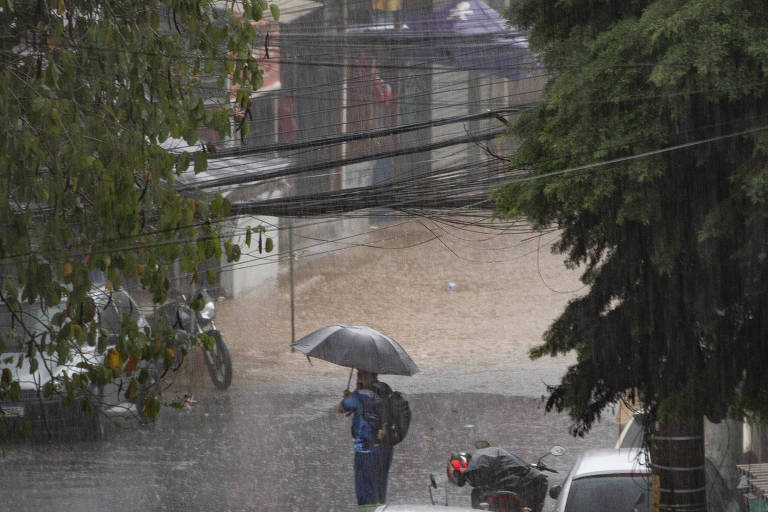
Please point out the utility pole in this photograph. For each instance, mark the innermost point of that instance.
(340, 183)
(474, 106)
(290, 253)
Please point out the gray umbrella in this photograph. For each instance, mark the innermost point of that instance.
(356, 346)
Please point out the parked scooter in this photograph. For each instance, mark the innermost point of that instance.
(500, 481)
(180, 315)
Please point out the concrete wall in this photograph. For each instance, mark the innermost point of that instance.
(254, 269)
(316, 238)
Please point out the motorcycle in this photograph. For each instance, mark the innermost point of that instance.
(502, 481)
(199, 319)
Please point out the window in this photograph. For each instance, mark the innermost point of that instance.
(609, 492)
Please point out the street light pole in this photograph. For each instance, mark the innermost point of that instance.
(290, 253)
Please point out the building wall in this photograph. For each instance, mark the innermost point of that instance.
(254, 269)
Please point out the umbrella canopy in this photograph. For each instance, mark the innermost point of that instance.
(460, 18)
(357, 346)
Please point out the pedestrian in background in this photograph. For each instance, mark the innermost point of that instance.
(372, 459)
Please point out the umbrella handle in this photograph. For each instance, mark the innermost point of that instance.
(349, 381)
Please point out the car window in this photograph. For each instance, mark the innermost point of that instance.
(113, 306)
(610, 492)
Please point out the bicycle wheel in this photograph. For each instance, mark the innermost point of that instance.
(218, 361)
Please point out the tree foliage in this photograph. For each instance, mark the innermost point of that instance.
(89, 91)
(671, 233)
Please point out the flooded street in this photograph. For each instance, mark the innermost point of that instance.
(273, 441)
(246, 450)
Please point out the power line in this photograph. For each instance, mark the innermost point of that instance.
(408, 196)
(646, 154)
(381, 132)
(239, 180)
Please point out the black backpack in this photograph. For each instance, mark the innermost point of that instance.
(395, 414)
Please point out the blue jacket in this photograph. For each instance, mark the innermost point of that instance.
(366, 406)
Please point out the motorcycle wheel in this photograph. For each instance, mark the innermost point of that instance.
(218, 361)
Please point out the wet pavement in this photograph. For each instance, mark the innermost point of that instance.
(250, 450)
(273, 441)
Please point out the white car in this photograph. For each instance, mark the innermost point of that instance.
(615, 480)
(421, 508)
(32, 404)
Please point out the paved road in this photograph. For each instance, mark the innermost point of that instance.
(253, 450)
(273, 442)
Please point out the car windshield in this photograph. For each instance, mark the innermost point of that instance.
(617, 493)
(113, 306)
(34, 324)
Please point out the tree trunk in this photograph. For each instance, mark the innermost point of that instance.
(677, 461)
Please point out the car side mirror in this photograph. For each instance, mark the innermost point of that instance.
(554, 491)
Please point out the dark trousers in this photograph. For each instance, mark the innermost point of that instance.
(366, 477)
(385, 460)
(371, 475)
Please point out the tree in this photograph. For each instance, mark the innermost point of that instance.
(649, 153)
(89, 91)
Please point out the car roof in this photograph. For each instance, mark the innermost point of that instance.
(611, 460)
(421, 508)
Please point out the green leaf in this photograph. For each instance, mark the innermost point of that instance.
(182, 162)
(275, 10)
(197, 303)
(133, 388)
(201, 162)
(101, 345)
(207, 341)
(15, 391)
(226, 208)
(62, 352)
(151, 407)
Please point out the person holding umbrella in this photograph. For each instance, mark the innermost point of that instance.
(372, 459)
(371, 353)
